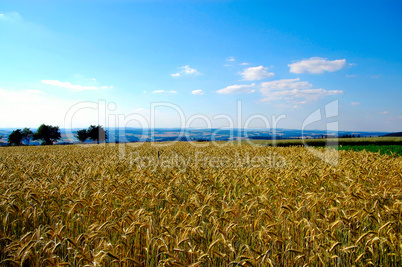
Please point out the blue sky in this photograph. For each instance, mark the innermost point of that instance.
(204, 58)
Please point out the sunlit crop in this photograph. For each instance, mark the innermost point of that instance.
(182, 205)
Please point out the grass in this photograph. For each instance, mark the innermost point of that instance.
(383, 145)
(329, 141)
(382, 149)
(204, 205)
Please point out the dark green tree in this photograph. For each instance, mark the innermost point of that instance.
(15, 138)
(97, 133)
(82, 135)
(48, 134)
(27, 135)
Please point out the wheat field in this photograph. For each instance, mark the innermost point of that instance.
(181, 205)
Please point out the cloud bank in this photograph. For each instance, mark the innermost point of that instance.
(197, 92)
(164, 91)
(237, 89)
(317, 65)
(256, 73)
(186, 70)
(293, 90)
(73, 87)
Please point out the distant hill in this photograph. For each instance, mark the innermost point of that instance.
(124, 135)
(394, 134)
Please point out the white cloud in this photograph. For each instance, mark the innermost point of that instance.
(351, 75)
(355, 103)
(375, 76)
(30, 108)
(284, 84)
(163, 91)
(400, 117)
(236, 89)
(186, 70)
(197, 92)
(317, 65)
(230, 59)
(256, 73)
(384, 112)
(23, 95)
(307, 94)
(74, 87)
(292, 90)
(11, 17)
(295, 107)
(244, 64)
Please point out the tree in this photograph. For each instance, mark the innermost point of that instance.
(97, 133)
(48, 134)
(15, 138)
(82, 135)
(27, 135)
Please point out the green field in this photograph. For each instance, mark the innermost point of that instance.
(331, 141)
(382, 145)
(382, 149)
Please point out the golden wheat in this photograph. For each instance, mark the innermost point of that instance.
(182, 205)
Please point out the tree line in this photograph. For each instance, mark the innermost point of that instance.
(49, 134)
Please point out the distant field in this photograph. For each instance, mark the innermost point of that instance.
(329, 141)
(382, 149)
(183, 205)
(383, 145)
